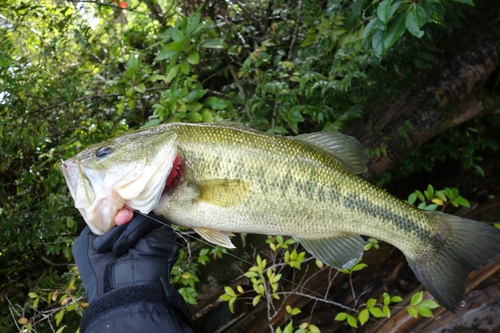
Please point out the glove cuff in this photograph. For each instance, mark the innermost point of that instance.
(118, 300)
(136, 272)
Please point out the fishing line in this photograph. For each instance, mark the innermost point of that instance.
(235, 256)
(313, 293)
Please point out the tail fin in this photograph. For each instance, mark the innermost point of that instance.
(464, 246)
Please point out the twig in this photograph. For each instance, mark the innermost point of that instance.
(325, 301)
(296, 30)
(51, 263)
(11, 309)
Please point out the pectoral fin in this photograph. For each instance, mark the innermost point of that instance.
(216, 236)
(340, 252)
(223, 192)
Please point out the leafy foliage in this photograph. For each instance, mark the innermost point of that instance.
(72, 74)
(431, 200)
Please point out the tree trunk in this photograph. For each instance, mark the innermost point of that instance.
(442, 96)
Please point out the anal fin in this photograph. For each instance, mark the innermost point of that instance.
(341, 252)
(216, 236)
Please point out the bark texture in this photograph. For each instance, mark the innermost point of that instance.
(441, 97)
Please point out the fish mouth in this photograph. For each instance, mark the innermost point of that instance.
(172, 182)
(175, 175)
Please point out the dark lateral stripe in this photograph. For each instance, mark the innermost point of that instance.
(401, 222)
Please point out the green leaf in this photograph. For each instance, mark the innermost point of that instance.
(394, 32)
(313, 329)
(387, 299)
(441, 196)
(141, 88)
(396, 299)
(420, 195)
(412, 311)
(352, 321)
(229, 291)
(194, 58)
(172, 73)
(431, 207)
(59, 317)
(383, 10)
(422, 205)
(32, 295)
(35, 302)
(214, 43)
(377, 43)
(207, 116)
(176, 34)
(194, 106)
(468, 2)
(185, 67)
(417, 298)
(462, 201)
(194, 117)
(288, 64)
(412, 198)
(425, 312)
(358, 267)
(430, 189)
(61, 329)
(171, 50)
(156, 77)
(369, 28)
(341, 316)
(376, 312)
(289, 327)
(371, 303)
(386, 311)
(364, 315)
(415, 19)
(215, 103)
(428, 303)
(151, 122)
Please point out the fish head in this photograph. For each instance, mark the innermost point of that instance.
(128, 170)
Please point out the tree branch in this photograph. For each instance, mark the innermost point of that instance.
(440, 98)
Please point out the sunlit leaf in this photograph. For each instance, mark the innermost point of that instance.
(364, 315)
(417, 298)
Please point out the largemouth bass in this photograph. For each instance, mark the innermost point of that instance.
(222, 178)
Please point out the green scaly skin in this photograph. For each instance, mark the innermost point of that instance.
(293, 190)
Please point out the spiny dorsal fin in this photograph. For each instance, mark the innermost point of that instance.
(341, 252)
(342, 147)
(216, 236)
(228, 123)
(223, 192)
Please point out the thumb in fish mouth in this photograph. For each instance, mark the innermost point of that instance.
(124, 216)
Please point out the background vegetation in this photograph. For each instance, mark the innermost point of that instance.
(415, 81)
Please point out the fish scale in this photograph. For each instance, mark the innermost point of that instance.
(302, 181)
(239, 180)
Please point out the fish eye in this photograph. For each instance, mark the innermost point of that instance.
(103, 152)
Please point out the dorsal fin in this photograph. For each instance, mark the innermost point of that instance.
(342, 147)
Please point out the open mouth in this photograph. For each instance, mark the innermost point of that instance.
(175, 175)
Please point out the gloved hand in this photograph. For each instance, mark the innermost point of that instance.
(139, 252)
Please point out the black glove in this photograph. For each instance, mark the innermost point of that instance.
(139, 252)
